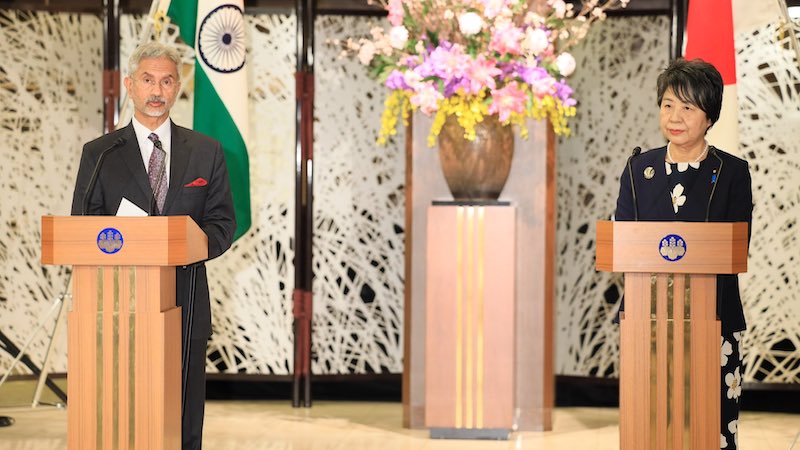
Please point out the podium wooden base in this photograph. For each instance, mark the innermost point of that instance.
(670, 340)
(124, 336)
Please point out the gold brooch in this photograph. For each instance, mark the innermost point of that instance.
(649, 172)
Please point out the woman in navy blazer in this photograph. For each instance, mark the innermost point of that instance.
(689, 180)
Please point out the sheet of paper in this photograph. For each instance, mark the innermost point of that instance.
(128, 209)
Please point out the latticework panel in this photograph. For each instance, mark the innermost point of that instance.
(615, 86)
(359, 215)
(769, 111)
(50, 104)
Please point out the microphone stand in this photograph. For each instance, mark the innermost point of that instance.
(636, 152)
(20, 355)
(187, 342)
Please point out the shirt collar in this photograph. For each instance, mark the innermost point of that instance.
(164, 132)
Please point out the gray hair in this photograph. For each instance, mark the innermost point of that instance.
(153, 50)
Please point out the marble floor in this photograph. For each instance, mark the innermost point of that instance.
(275, 425)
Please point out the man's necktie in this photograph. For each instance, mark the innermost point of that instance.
(156, 172)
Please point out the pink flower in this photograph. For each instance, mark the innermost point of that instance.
(395, 8)
(427, 98)
(506, 38)
(510, 99)
(543, 86)
(446, 63)
(366, 52)
(493, 8)
(481, 74)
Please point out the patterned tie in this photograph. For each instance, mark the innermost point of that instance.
(156, 172)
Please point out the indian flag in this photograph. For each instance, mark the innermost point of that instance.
(215, 28)
(709, 36)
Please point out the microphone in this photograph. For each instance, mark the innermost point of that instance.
(636, 151)
(93, 180)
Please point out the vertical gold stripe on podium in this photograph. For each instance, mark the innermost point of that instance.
(131, 361)
(470, 319)
(653, 361)
(670, 356)
(115, 365)
(480, 299)
(687, 364)
(99, 362)
(459, 316)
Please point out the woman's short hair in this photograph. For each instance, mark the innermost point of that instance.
(153, 50)
(695, 82)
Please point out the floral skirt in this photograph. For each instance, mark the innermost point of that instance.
(731, 362)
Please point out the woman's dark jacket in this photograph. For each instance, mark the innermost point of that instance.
(732, 201)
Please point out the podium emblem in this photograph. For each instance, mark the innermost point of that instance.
(110, 241)
(672, 247)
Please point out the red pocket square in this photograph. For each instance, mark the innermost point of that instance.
(197, 182)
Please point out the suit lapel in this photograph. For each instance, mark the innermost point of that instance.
(657, 191)
(132, 156)
(180, 153)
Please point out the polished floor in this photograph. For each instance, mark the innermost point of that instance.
(275, 425)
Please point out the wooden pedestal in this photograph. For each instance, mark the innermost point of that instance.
(469, 353)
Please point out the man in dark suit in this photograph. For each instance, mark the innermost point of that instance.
(164, 169)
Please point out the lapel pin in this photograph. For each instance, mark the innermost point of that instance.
(713, 176)
(649, 172)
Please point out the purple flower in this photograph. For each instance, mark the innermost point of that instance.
(531, 75)
(396, 81)
(564, 92)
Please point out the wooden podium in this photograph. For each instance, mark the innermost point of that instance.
(669, 332)
(124, 330)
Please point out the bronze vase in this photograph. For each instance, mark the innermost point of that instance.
(476, 170)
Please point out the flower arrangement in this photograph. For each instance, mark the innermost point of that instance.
(474, 58)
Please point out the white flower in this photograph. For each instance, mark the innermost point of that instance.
(566, 64)
(733, 427)
(560, 8)
(738, 336)
(448, 14)
(734, 382)
(533, 19)
(678, 199)
(413, 79)
(366, 52)
(427, 99)
(470, 23)
(723, 443)
(725, 351)
(536, 40)
(398, 36)
(419, 48)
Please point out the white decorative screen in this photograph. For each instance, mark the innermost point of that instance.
(615, 85)
(358, 215)
(50, 104)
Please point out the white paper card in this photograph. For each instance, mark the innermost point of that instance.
(128, 209)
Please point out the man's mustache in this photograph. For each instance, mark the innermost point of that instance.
(156, 98)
